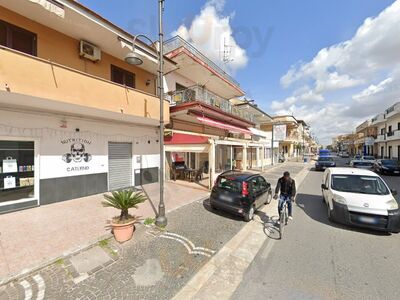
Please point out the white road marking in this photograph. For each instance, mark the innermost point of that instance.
(28, 289)
(190, 247)
(41, 286)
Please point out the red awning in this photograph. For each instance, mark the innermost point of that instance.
(181, 138)
(230, 128)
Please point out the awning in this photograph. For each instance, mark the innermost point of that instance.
(199, 148)
(230, 128)
(261, 133)
(181, 139)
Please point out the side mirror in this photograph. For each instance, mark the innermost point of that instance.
(323, 186)
(394, 192)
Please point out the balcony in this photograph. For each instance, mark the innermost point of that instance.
(40, 84)
(393, 135)
(380, 138)
(392, 111)
(198, 93)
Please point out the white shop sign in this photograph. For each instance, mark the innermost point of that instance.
(73, 156)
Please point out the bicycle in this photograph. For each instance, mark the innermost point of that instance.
(283, 217)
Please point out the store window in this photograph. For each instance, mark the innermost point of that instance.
(17, 169)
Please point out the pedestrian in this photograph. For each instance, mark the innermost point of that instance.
(287, 187)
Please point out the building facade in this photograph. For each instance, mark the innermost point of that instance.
(387, 141)
(365, 136)
(76, 119)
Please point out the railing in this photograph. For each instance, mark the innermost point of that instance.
(177, 42)
(393, 135)
(68, 88)
(198, 93)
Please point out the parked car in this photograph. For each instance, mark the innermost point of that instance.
(368, 158)
(360, 198)
(240, 193)
(357, 156)
(345, 155)
(361, 164)
(387, 166)
(324, 162)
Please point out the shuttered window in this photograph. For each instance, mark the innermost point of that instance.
(122, 76)
(119, 165)
(17, 38)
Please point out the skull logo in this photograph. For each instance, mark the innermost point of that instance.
(77, 154)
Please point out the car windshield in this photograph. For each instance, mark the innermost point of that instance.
(229, 184)
(389, 162)
(369, 157)
(362, 163)
(359, 184)
(325, 158)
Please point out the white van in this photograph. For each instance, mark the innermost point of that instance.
(361, 198)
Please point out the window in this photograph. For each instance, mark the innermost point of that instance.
(17, 38)
(122, 76)
(359, 184)
(179, 87)
(398, 126)
(390, 128)
(17, 169)
(382, 131)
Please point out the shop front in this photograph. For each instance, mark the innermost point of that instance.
(57, 159)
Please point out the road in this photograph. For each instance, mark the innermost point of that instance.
(320, 260)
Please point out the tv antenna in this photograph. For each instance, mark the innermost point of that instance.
(226, 53)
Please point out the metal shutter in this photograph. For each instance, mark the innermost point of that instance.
(119, 165)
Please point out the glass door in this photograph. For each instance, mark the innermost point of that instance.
(17, 170)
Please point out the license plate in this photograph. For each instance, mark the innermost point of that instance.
(225, 198)
(368, 220)
(323, 168)
(396, 172)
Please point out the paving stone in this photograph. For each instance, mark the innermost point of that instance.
(89, 260)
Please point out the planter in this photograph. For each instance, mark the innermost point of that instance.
(123, 232)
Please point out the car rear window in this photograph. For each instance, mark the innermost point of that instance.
(229, 184)
(363, 163)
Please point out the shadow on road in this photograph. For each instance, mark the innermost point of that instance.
(270, 226)
(316, 209)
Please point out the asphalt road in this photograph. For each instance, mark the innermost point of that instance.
(317, 259)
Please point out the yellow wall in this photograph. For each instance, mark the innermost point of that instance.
(60, 48)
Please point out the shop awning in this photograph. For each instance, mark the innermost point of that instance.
(230, 128)
(260, 133)
(183, 139)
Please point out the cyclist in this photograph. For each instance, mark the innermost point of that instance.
(287, 186)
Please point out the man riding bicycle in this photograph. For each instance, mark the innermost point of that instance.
(287, 186)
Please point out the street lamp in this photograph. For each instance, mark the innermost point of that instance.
(134, 59)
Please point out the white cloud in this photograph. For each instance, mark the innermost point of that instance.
(351, 81)
(209, 31)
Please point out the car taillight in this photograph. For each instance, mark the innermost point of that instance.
(245, 191)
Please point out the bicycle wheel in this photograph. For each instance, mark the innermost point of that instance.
(281, 224)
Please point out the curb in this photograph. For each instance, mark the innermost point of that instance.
(222, 274)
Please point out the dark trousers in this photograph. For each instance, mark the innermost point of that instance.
(282, 199)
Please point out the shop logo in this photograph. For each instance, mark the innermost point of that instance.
(77, 154)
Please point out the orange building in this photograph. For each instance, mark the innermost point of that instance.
(75, 118)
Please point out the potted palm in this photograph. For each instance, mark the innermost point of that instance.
(124, 224)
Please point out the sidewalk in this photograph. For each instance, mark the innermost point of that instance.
(38, 236)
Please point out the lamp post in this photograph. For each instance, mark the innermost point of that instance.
(134, 59)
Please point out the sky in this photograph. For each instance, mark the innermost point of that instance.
(333, 63)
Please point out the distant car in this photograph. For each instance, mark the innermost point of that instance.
(361, 164)
(345, 155)
(324, 162)
(387, 166)
(240, 193)
(360, 198)
(368, 158)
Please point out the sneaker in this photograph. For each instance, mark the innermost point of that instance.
(290, 218)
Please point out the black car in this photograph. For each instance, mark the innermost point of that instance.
(387, 166)
(324, 162)
(240, 193)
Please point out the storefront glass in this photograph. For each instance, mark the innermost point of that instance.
(223, 158)
(17, 170)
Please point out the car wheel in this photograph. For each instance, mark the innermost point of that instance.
(249, 215)
(269, 198)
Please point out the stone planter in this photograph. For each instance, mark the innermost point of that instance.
(123, 232)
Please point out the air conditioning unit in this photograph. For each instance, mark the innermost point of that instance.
(89, 51)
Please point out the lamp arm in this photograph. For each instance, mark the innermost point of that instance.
(145, 36)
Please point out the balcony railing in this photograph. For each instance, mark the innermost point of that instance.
(177, 42)
(63, 88)
(197, 93)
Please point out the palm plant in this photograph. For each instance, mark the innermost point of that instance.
(123, 200)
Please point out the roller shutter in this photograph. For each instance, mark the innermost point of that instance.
(119, 165)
